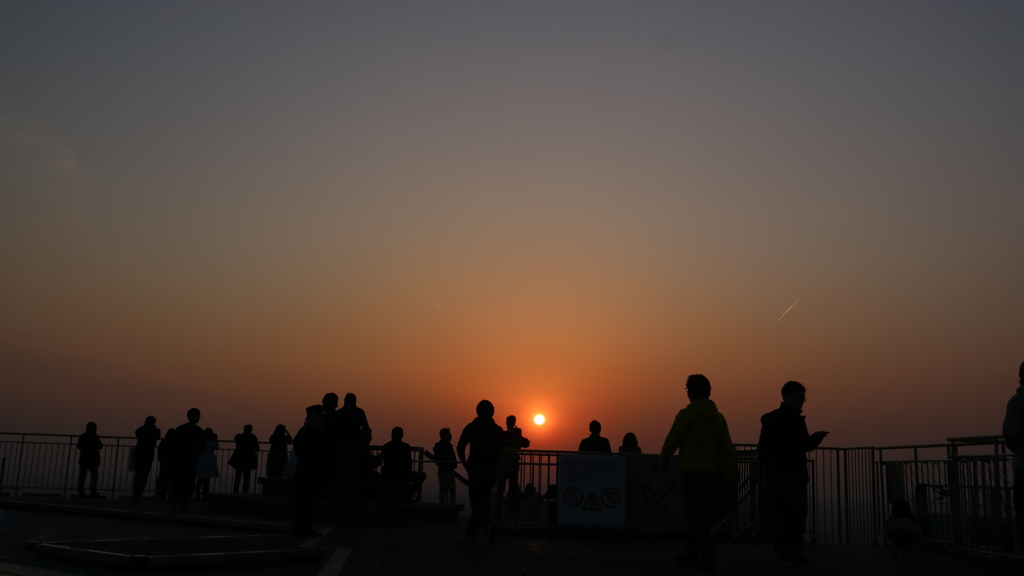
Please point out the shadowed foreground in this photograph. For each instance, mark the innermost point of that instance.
(425, 550)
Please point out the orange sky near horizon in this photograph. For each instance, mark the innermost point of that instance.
(565, 209)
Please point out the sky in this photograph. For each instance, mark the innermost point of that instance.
(563, 207)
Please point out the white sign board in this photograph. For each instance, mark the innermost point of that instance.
(592, 489)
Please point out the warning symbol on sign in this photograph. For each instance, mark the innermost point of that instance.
(591, 503)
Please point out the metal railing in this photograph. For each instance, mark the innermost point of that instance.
(47, 465)
(960, 490)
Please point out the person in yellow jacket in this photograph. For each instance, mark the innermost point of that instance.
(701, 435)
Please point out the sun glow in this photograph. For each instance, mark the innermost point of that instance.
(538, 419)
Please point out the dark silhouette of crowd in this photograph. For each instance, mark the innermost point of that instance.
(332, 458)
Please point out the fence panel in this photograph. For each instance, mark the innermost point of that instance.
(961, 491)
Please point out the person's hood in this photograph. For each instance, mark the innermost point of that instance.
(704, 408)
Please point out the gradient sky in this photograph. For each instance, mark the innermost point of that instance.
(565, 207)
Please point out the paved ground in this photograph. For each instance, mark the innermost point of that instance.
(423, 550)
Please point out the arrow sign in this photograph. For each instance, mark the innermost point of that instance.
(655, 498)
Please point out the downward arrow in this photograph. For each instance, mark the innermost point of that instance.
(654, 498)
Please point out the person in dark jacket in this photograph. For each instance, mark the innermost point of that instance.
(314, 455)
(206, 465)
(166, 473)
(782, 455)
(244, 458)
(346, 430)
(146, 437)
(485, 440)
(595, 442)
(277, 458)
(89, 446)
(630, 444)
(514, 442)
(1013, 435)
(396, 465)
(189, 440)
(444, 456)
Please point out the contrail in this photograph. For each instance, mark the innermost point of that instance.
(787, 310)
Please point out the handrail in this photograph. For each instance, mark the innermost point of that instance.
(966, 500)
(975, 440)
(910, 446)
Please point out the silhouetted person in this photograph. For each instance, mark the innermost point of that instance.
(329, 405)
(189, 440)
(513, 443)
(314, 458)
(595, 442)
(902, 530)
(530, 501)
(396, 464)
(348, 431)
(485, 441)
(549, 505)
(166, 474)
(367, 475)
(444, 456)
(630, 445)
(277, 458)
(206, 466)
(146, 437)
(701, 435)
(89, 447)
(244, 458)
(1013, 435)
(782, 454)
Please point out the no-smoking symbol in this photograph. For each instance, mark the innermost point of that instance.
(572, 497)
(610, 498)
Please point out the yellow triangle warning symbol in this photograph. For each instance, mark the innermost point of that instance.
(591, 503)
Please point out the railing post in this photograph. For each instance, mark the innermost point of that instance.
(419, 468)
(997, 504)
(812, 509)
(843, 521)
(117, 461)
(68, 467)
(955, 503)
(877, 498)
(21, 456)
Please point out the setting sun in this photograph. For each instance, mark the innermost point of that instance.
(538, 419)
